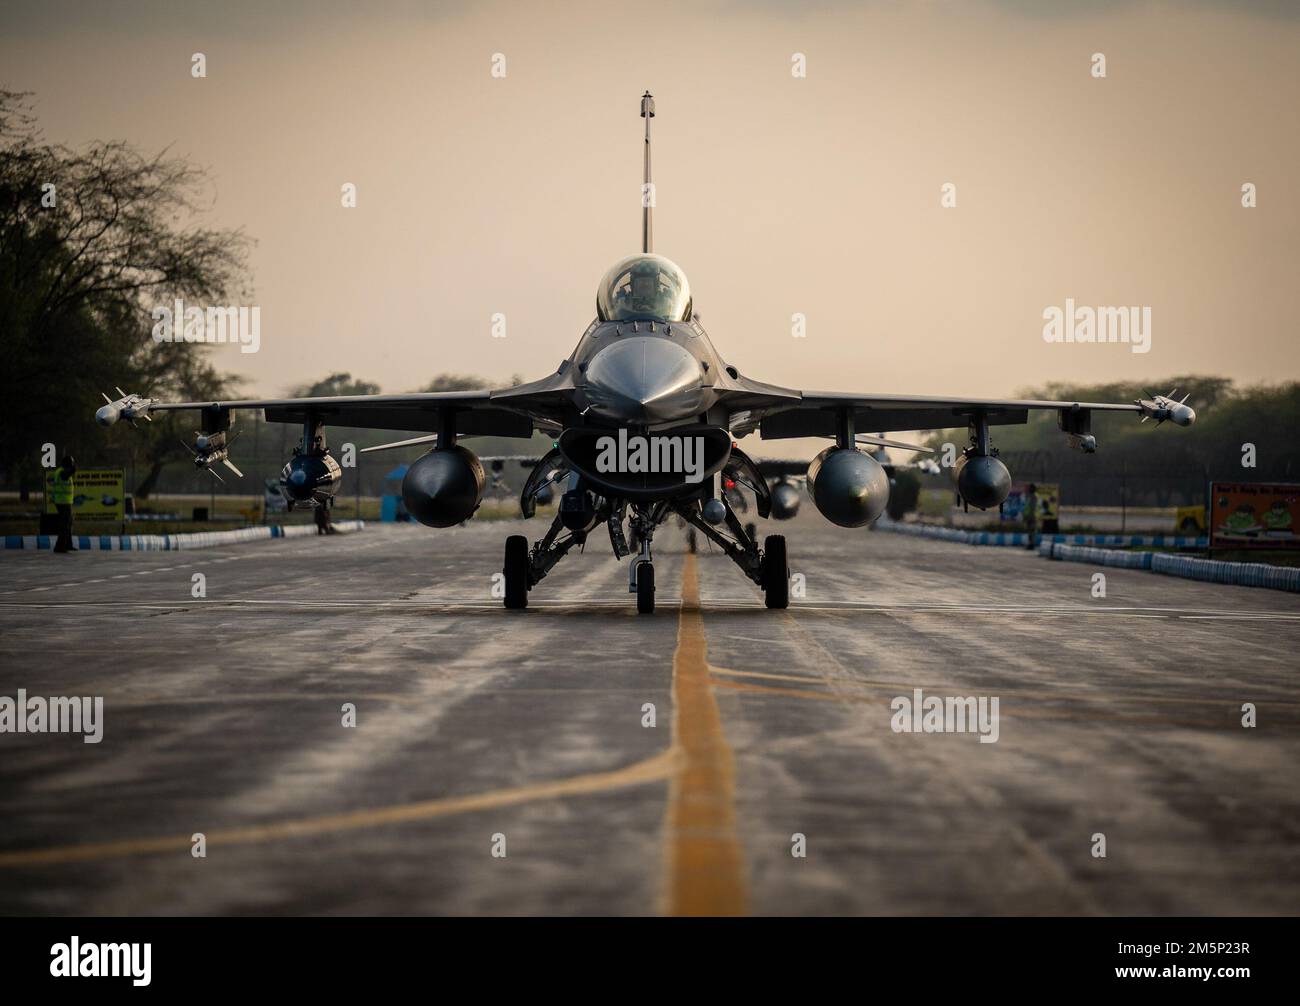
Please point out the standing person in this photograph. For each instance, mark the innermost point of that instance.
(1031, 515)
(61, 489)
(322, 515)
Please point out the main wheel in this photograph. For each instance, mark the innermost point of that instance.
(776, 573)
(645, 589)
(516, 571)
(691, 545)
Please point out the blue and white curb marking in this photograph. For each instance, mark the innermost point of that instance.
(1244, 574)
(173, 542)
(1241, 574)
(1109, 550)
(1098, 556)
(1021, 538)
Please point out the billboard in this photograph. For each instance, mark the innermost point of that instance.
(98, 496)
(1254, 515)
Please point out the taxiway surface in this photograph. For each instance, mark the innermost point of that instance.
(481, 732)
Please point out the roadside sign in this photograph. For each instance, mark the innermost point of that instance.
(98, 495)
(1254, 515)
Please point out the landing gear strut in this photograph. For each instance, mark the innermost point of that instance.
(641, 573)
(525, 567)
(767, 568)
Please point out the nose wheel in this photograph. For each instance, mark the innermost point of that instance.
(645, 588)
(516, 572)
(641, 574)
(775, 573)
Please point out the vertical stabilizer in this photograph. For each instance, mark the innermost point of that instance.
(647, 190)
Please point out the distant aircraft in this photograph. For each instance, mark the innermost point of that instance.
(645, 415)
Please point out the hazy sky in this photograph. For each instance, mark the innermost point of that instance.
(776, 195)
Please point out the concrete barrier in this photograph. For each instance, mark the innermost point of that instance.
(1019, 539)
(1109, 550)
(1099, 556)
(175, 542)
(1243, 574)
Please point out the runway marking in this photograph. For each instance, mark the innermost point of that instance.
(452, 605)
(940, 758)
(982, 609)
(798, 693)
(1023, 713)
(654, 769)
(706, 873)
(1064, 693)
(435, 606)
(809, 678)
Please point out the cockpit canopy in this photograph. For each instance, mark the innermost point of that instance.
(644, 287)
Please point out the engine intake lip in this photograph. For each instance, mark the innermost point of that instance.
(580, 446)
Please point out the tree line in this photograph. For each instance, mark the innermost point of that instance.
(1241, 434)
(91, 240)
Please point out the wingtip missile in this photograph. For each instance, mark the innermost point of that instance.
(128, 407)
(1164, 408)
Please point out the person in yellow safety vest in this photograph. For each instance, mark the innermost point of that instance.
(1031, 514)
(61, 490)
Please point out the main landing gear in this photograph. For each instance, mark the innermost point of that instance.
(525, 567)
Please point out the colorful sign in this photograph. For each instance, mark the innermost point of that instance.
(1049, 501)
(1254, 515)
(98, 495)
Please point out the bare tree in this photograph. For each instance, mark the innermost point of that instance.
(90, 242)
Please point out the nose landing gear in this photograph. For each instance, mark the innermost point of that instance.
(641, 571)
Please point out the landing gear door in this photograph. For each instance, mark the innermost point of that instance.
(740, 468)
(548, 470)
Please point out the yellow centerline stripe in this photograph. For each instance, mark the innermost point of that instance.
(706, 871)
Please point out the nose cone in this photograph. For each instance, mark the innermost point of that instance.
(645, 379)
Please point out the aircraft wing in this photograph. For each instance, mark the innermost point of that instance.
(817, 413)
(473, 413)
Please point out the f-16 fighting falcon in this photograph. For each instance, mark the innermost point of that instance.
(645, 415)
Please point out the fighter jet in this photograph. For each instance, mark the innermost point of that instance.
(645, 415)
